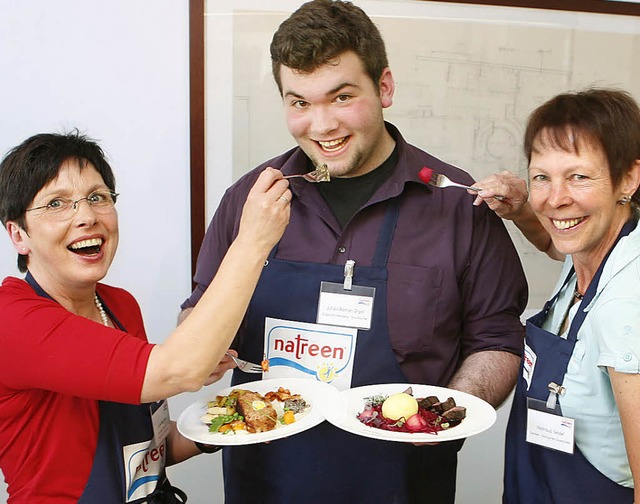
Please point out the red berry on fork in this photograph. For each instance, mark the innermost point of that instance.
(425, 174)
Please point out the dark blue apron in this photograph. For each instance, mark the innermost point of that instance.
(539, 475)
(326, 464)
(120, 425)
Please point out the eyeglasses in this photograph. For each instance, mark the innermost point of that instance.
(101, 202)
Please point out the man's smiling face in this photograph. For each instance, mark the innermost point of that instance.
(335, 115)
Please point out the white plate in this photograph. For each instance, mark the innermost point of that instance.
(480, 414)
(313, 392)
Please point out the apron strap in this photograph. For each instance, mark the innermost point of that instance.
(552, 301)
(36, 286)
(166, 493)
(42, 293)
(385, 238)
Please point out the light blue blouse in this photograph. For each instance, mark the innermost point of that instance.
(609, 337)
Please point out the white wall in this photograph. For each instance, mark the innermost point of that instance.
(117, 70)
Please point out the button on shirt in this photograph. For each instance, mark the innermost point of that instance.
(455, 281)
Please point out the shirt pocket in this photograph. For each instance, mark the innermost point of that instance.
(577, 356)
(413, 295)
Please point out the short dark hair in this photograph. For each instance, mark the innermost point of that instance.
(321, 30)
(28, 167)
(599, 117)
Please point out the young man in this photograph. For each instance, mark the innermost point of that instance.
(444, 279)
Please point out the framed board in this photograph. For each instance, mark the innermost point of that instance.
(467, 76)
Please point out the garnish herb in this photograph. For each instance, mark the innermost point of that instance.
(219, 421)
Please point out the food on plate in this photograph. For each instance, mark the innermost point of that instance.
(245, 411)
(397, 413)
(258, 413)
(399, 406)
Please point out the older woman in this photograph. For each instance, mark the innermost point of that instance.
(82, 415)
(580, 375)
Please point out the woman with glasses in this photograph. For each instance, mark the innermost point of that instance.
(82, 410)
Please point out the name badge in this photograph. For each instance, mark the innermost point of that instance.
(547, 428)
(161, 421)
(346, 308)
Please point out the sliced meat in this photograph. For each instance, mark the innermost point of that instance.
(443, 406)
(427, 402)
(455, 414)
(258, 413)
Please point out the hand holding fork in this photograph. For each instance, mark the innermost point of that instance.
(245, 366)
(428, 176)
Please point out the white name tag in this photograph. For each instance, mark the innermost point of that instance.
(551, 431)
(346, 308)
(161, 421)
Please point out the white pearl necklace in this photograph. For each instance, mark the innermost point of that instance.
(103, 314)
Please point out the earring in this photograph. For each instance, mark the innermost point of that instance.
(624, 200)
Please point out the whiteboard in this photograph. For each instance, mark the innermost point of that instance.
(466, 79)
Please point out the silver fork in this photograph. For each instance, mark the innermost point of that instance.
(245, 366)
(440, 180)
(320, 174)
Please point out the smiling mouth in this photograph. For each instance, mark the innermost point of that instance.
(333, 145)
(567, 223)
(86, 247)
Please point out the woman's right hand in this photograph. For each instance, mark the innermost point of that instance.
(266, 212)
(514, 206)
(223, 366)
(510, 187)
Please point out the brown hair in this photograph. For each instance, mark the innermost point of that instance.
(599, 117)
(321, 30)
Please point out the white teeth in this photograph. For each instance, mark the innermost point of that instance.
(332, 144)
(93, 242)
(566, 224)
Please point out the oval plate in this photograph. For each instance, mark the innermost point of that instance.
(313, 392)
(480, 414)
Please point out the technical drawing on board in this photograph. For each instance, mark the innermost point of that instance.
(464, 89)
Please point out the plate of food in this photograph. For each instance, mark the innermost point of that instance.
(410, 413)
(256, 412)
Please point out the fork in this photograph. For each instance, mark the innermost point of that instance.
(245, 366)
(439, 180)
(320, 174)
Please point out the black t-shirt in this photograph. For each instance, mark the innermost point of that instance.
(345, 196)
